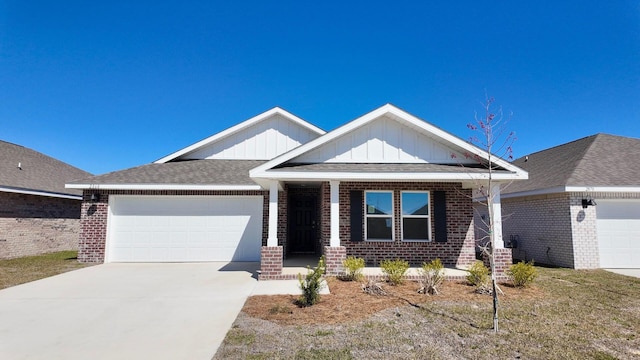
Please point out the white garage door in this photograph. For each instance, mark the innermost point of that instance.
(184, 228)
(619, 233)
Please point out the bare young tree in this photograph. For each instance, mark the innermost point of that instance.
(492, 136)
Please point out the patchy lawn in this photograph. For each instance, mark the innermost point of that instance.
(22, 270)
(568, 314)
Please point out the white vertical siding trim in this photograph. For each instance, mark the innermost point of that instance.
(262, 141)
(383, 141)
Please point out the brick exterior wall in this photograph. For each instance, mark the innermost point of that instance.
(542, 225)
(457, 251)
(93, 219)
(271, 263)
(334, 256)
(555, 229)
(584, 231)
(32, 224)
(503, 260)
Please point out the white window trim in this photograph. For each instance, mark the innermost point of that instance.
(392, 215)
(428, 217)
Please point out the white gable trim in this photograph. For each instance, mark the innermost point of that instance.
(388, 109)
(239, 127)
(40, 193)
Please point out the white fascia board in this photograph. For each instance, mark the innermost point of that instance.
(605, 189)
(243, 125)
(41, 193)
(161, 187)
(552, 190)
(377, 113)
(362, 176)
(584, 189)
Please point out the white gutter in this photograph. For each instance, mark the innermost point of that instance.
(395, 176)
(563, 189)
(161, 187)
(41, 193)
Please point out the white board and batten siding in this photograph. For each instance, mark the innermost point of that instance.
(384, 140)
(262, 141)
(618, 227)
(184, 228)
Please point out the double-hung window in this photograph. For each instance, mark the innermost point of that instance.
(379, 215)
(416, 219)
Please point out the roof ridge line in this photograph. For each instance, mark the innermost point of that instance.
(582, 157)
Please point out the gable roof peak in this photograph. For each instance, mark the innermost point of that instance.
(238, 128)
(399, 115)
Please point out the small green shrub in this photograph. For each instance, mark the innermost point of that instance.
(522, 274)
(353, 267)
(394, 270)
(311, 284)
(478, 274)
(431, 276)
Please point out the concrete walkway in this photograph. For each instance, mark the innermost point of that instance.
(125, 311)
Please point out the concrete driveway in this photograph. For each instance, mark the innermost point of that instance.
(125, 311)
(627, 272)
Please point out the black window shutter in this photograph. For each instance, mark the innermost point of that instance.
(440, 215)
(356, 215)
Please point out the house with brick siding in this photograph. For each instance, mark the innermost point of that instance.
(580, 207)
(386, 185)
(37, 213)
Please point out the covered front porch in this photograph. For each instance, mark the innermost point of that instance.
(313, 218)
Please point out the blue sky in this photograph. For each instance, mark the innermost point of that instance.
(110, 85)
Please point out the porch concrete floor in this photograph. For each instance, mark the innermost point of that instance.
(298, 265)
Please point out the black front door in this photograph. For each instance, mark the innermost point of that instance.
(302, 220)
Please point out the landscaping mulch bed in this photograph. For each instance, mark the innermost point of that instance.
(347, 302)
(566, 314)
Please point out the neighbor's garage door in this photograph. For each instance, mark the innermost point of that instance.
(619, 233)
(184, 228)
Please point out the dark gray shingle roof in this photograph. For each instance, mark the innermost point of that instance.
(39, 172)
(596, 160)
(191, 172)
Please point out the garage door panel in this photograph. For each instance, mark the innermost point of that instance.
(173, 228)
(618, 227)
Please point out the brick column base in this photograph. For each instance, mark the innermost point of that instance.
(503, 259)
(334, 257)
(270, 263)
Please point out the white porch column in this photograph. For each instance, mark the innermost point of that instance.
(497, 216)
(272, 240)
(334, 241)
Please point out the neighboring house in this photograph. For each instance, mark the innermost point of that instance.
(37, 214)
(386, 185)
(580, 207)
